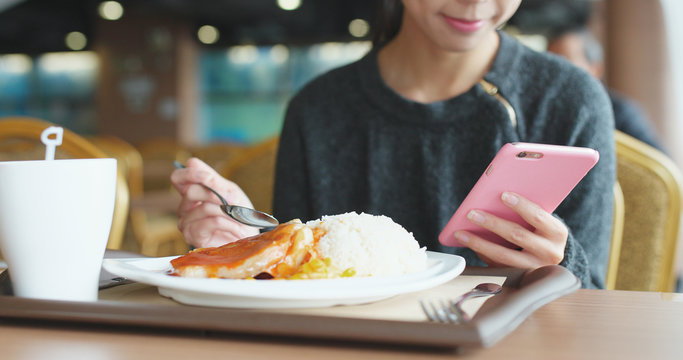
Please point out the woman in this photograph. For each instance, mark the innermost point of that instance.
(407, 130)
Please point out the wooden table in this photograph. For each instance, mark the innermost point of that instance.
(587, 324)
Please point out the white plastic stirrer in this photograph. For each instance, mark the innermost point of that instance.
(51, 143)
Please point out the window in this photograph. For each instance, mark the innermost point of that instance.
(58, 87)
(244, 90)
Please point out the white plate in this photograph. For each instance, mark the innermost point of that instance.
(283, 293)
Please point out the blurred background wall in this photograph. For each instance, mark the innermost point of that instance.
(223, 70)
(194, 70)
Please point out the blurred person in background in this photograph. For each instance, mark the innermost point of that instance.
(580, 47)
(566, 26)
(408, 129)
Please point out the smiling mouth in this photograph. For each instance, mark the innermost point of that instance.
(463, 25)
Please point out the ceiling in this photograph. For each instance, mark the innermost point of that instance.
(38, 26)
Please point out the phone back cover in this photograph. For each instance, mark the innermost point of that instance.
(545, 181)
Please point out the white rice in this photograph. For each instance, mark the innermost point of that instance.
(373, 245)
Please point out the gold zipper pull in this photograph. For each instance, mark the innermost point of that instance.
(493, 91)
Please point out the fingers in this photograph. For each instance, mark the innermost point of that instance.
(543, 245)
(200, 218)
(198, 172)
(195, 172)
(209, 175)
(193, 196)
(212, 239)
(210, 230)
(198, 212)
(206, 225)
(541, 220)
(511, 232)
(495, 254)
(197, 192)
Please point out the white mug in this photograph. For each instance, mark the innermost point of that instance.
(55, 218)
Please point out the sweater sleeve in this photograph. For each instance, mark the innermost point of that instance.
(588, 210)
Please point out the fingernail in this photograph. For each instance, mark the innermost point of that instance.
(462, 237)
(510, 198)
(475, 216)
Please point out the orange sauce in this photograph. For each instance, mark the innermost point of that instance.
(233, 254)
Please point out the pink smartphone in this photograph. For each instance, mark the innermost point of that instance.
(544, 174)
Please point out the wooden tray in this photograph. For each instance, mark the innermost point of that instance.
(140, 305)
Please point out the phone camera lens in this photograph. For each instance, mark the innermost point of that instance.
(522, 154)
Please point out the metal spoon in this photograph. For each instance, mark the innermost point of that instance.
(244, 215)
(483, 289)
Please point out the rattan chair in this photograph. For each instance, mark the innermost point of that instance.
(128, 159)
(617, 237)
(254, 171)
(218, 154)
(152, 226)
(20, 140)
(651, 187)
(158, 155)
(155, 217)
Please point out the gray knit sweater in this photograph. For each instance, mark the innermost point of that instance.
(350, 143)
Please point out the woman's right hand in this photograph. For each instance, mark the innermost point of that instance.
(200, 218)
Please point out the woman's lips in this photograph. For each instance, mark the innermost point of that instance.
(467, 26)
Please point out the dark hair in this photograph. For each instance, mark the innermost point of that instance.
(387, 21)
(552, 18)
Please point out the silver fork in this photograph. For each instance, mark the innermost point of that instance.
(439, 311)
(450, 311)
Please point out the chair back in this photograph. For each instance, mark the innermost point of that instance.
(617, 237)
(158, 155)
(20, 140)
(651, 187)
(254, 171)
(128, 159)
(152, 216)
(218, 154)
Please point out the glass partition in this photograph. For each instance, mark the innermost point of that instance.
(244, 90)
(58, 87)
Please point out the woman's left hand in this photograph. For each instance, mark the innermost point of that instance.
(544, 246)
